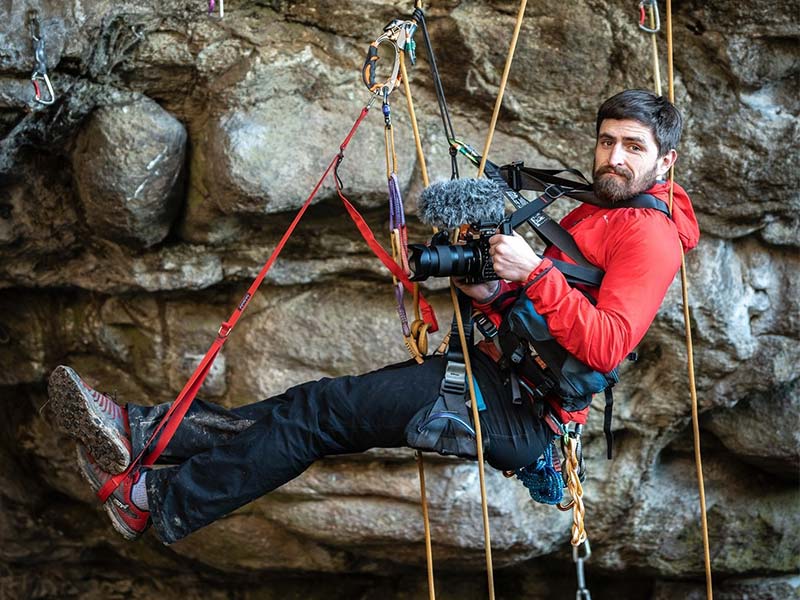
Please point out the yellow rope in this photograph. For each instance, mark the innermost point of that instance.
(576, 492)
(479, 442)
(503, 82)
(689, 344)
(414, 125)
(426, 523)
(476, 419)
(419, 330)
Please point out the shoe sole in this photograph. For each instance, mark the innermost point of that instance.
(75, 416)
(86, 472)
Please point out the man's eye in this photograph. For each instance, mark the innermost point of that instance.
(635, 148)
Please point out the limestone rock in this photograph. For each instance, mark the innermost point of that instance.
(759, 430)
(768, 588)
(128, 161)
(109, 263)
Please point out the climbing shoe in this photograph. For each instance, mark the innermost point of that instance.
(91, 417)
(127, 518)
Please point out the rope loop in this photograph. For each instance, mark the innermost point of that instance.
(575, 490)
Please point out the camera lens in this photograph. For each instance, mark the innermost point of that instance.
(442, 260)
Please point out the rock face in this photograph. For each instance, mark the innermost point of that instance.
(135, 211)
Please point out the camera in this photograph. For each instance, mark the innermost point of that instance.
(470, 259)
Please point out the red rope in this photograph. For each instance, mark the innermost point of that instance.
(172, 420)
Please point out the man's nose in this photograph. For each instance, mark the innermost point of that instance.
(617, 156)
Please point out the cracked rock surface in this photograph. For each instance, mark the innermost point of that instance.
(135, 211)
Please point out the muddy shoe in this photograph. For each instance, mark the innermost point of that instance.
(127, 518)
(92, 418)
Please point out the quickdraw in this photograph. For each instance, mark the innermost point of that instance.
(40, 70)
(212, 5)
(655, 26)
(399, 35)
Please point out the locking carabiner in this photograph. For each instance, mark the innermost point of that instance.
(653, 5)
(40, 70)
(400, 35)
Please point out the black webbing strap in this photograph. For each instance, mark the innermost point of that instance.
(607, 413)
(454, 351)
(449, 132)
(520, 177)
(517, 177)
(583, 272)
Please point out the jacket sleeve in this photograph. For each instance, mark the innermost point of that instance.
(496, 308)
(640, 263)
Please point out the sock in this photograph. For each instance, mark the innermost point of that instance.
(139, 493)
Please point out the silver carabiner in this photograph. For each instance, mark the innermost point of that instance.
(653, 4)
(40, 70)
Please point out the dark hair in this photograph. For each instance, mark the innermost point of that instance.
(656, 112)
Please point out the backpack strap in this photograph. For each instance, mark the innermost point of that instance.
(643, 201)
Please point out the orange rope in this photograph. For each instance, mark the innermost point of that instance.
(689, 344)
(503, 81)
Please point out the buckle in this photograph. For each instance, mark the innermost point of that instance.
(455, 379)
(553, 191)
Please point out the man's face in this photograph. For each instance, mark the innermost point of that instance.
(626, 160)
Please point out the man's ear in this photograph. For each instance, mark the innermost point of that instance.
(666, 161)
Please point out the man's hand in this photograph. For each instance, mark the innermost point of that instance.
(512, 257)
(480, 292)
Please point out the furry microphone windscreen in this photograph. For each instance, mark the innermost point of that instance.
(449, 204)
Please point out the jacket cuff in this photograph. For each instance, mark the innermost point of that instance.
(540, 271)
(490, 298)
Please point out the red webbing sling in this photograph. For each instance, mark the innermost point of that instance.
(172, 420)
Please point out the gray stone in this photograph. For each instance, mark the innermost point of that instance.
(127, 162)
(761, 430)
(768, 588)
(132, 292)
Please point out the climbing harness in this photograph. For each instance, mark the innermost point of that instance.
(39, 75)
(211, 6)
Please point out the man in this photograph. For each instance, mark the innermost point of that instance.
(220, 459)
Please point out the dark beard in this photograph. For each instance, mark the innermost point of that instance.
(610, 189)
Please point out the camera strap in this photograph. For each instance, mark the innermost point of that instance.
(515, 177)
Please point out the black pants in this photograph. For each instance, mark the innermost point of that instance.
(228, 457)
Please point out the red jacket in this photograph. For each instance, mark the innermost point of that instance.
(640, 251)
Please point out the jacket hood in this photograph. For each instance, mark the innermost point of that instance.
(682, 212)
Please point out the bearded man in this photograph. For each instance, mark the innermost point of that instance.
(221, 458)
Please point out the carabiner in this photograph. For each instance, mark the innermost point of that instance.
(653, 4)
(212, 4)
(36, 77)
(400, 35)
(40, 58)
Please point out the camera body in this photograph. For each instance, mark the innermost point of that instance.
(469, 258)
